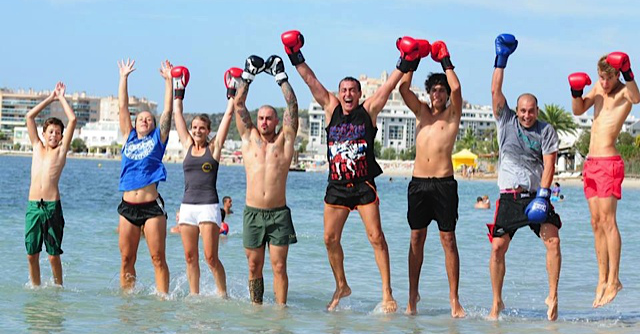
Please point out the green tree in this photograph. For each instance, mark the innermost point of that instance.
(16, 146)
(377, 148)
(627, 146)
(582, 143)
(560, 119)
(388, 154)
(302, 148)
(409, 154)
(468, 141)
(78, 145)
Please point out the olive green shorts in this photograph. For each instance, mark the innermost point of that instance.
(273, 226)
(44, 223)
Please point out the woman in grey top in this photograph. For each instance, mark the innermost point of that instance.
(199, 211)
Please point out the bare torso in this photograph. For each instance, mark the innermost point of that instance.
(266, 167)
(435, 137)
(610, 111)
(46, 168)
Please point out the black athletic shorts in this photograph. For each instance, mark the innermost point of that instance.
(430, 199)
(510, 214)
(351, 195)
(138, 213)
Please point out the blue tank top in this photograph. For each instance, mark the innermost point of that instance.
(141, 163)
(350, 147)
(200, 178)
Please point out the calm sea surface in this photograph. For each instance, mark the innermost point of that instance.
(91, 301)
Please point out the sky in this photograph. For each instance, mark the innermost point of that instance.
(80, 41)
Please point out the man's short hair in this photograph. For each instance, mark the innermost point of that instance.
(536, 101)
(53, 121)
(348, 78)
(226, 198)
(204, 118)
(434, 79)
(267, 106)
(479, 199)
(603, 66)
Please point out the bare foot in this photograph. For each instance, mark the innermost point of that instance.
(495, 311)
(600, 288)
(411, 305)
(338, 294)
(553, 308)
(610, 293)
(388, 305)
(457, 309)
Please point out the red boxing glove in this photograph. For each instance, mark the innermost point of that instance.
(441, 55)
(424, 49)
(232, 78)
(620, 61)
(578, 81)
(180, 75)
(293, 40)
(409, 53)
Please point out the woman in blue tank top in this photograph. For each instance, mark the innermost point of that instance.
(199, 211)
(142, 169)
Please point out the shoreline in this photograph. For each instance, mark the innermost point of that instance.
(390, 169)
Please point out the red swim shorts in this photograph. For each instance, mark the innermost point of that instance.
(602, 177)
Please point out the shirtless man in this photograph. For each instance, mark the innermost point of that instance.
(433, 193)
(44, 221)
(612, 101)
(267, 155)
(351, 128)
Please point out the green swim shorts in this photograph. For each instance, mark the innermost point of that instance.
(273, 226)
(44, 222)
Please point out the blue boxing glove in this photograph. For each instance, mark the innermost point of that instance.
(537, 210)
(505, 46)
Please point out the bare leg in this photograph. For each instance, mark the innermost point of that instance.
(278, 257)
(372, 220)
(155, 234)
(56, 269)
(448, 241)
(256, 260)
(607, 209)
(334, 221)
(34, 268)
(600, 247)
(550, 236)
(500, 246)
(210, 233)
(415, 263)
(189, 236)
(128, 240)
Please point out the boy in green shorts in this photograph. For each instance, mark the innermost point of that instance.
(44, 221)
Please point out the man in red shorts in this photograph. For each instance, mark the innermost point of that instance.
(603, 170)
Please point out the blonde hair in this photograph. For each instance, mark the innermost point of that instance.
(603, 66)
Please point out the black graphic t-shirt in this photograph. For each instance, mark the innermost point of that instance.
(350, 147)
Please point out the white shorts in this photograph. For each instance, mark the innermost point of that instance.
(193, 214)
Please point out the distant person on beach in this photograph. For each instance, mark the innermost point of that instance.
(224, 212)
(141, 171)
(351, 129)
(44, 222)
(527, 153)
(267, 155)
(556, 189)
(432, 193)
(199, 209)
(603, 171)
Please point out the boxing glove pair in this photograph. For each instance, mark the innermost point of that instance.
(618, 60)
(412, 50)
(273, 66)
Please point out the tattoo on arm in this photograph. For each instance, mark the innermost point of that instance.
(256, 290)
(290, 118)
(499, 108)
(241, 108)
(165, 123)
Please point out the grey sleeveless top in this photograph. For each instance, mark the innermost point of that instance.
(200, 178)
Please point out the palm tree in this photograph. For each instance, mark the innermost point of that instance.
(560, 119)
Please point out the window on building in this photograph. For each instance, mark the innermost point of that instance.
(395, 132)
(314, 129)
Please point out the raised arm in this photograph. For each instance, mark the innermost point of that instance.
(123, 96)
(409, 97)
(581, 104)
(293, 41)
(620, 61)
(243, 120)
(181, 125)
(441, 55)
(165, 117)
(274, 66)
(219, 141)
(32, 127)
(375, 103)
(505, 45)
(71, 116)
